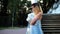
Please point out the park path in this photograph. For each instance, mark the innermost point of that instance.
(13, 31)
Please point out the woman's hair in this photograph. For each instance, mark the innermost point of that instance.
(35, 4)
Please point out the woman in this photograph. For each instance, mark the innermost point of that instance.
(34, 20)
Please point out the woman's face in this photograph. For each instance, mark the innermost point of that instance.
(35, 9)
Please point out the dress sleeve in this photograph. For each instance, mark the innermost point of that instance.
(28, 18)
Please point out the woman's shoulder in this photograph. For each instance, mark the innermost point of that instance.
(31, 14)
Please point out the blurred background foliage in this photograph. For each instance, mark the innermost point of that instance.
(14, 12)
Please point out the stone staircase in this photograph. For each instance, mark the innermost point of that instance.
(51, 23)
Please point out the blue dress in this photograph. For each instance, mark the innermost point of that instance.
(33, 29)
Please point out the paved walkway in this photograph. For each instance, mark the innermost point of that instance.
(13, 31)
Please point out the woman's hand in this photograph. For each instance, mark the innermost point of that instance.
(38, 16)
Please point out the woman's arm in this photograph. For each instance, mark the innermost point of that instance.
(37, 17)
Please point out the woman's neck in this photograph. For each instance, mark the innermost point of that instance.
(35, 12)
